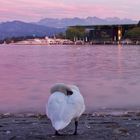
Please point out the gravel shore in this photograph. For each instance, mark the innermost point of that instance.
(91, 127)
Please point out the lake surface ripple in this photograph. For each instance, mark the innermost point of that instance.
(108, 76)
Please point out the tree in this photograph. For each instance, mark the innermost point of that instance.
(133, 34)
(75, 32)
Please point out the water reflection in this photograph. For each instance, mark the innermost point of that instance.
(108, 76)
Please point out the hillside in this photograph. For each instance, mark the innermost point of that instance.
(18, 28)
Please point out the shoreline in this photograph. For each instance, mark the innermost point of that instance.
(69, 45)
(97, 127)
(101, 112)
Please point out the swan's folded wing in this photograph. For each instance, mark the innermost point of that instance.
(76, 103)
(56, 105)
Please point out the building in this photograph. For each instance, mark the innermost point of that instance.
(105, 33)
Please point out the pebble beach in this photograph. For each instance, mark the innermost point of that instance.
(91, 127)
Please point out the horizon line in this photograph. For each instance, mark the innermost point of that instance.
(10, 20)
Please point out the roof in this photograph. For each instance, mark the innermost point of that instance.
(111, 25)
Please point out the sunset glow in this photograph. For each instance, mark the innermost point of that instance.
(35, 10)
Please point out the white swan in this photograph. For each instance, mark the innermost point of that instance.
(64, 104)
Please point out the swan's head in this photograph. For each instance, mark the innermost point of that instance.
(74, 87)
(61, 87)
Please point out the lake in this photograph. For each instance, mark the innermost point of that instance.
(108, 76)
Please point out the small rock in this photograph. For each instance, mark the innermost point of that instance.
(12, 138)
(34, 123)
(87, 126)
(138, 125)
(121, 130)
(40, 116)
(7, 114)
(30, 115)
(8, 132)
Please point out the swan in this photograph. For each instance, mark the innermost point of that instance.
(64, 104)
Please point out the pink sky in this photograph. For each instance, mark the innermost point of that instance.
(34, 10)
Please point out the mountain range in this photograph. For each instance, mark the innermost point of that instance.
(21, 29)
(65, 22)
(51, 26)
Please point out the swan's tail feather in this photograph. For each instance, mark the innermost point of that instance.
(59, 125)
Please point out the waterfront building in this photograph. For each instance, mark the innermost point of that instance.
(105, 33)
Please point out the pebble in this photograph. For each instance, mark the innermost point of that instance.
(8, 132)
(121, 130)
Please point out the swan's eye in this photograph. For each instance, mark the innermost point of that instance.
(69, 92)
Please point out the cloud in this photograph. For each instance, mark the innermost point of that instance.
(33, 10)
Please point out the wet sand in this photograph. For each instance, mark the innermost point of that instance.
(91, 127)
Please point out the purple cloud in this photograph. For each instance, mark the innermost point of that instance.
(34, 10)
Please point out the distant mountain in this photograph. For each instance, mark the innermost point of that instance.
(120, 21)
(65, 22)
(50, 26)
(18, 28)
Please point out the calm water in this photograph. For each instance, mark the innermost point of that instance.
(108, 76)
